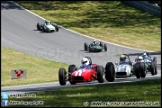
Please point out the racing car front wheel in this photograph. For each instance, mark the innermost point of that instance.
(110, 72)
(152, 68)
(139, 70)
(100, 73)
(38, 27)
(62, 76)
(155, 63)
(85, 46)
(105, 47)
(56, 27)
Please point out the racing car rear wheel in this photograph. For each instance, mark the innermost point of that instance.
(43, 29)
(155, 63)
(105, 47)
(139, 70)
(85, 46)
(110, 72)
(71, 69)
(62, 76)
(101, 44)
(90, 50)
(38, 26)
(100, 73)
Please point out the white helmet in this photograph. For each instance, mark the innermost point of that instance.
(85, 61)
(140, 58)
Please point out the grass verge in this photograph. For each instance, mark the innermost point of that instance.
(142, 93)
(38, 70)
(111, 21)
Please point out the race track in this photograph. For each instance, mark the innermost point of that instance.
(19, 32)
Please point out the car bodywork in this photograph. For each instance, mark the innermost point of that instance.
(98, 47)
(124, 69)
(141, 68)
(84, 74)
(78, 75)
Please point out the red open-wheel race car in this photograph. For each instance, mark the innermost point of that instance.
(77, 75)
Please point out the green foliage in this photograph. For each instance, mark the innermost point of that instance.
(147, 91)
(111, 21)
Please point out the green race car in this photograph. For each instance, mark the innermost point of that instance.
(95, 47)
(47, 27)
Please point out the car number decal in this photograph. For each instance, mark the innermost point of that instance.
(79, 72)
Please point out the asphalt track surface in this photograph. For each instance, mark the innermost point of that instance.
(19, 32)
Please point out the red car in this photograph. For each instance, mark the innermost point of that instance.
(98, 72)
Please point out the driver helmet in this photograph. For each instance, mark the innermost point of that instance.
(144, 54)
(85, 61)
(122, 58)
(94, 41)
(47, 22)
(140, 58)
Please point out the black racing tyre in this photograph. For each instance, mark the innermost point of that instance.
(105, 47)
(85, 46)
(143, 73)
(100, 73)
(89, 48)
(62, 76)
(139, 70)
(155, 59)
(56, 27)
(43, 29)
(110, 72)
(152, 68)
(101, 44)
(38, 26)
(136, 70)
(71, 69)
(155, 63)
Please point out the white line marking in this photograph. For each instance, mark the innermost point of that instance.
(81, 33)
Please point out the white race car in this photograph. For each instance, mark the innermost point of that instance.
(124, 69)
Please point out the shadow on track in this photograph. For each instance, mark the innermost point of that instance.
(5, 5)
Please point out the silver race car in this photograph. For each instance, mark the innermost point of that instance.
(124, 68)
(140, 67)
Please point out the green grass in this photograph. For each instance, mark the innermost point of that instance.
(38, 70)
(142, 91)
(111, 21)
